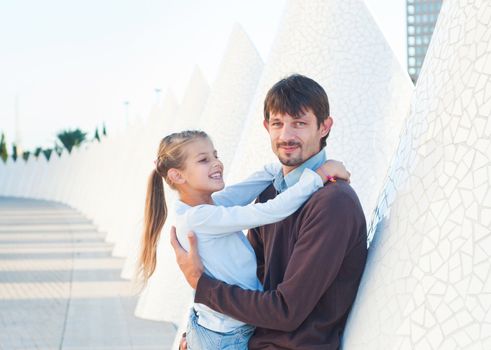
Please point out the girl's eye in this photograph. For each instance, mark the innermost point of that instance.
(204, 160)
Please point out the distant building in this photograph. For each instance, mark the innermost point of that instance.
(421, 18)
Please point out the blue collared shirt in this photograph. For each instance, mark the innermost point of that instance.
(281, 182)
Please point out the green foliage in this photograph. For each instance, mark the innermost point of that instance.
(14, 152)
(96, 135)
(3, 148)
(67, 138)
(37, 152)
(47, 153)
(25, 155)
(71, 138)
(59, 149)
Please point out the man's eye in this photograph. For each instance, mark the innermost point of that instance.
(300, 123)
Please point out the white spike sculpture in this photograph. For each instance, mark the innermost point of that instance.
(159, 124)
(338, 44)
(19, 185)
(4, 175)
(137, 181)
(37, 171)
(427, 283)
(192, 104)
(152, 304)
(223, 117)
(230, 99)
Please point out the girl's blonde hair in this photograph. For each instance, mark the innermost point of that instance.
(171, 154)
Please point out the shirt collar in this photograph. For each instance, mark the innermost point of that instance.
(281, 182)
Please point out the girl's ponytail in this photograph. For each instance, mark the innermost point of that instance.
(155, 215)
(171, 154)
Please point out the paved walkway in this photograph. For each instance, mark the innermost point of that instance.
(60, 287)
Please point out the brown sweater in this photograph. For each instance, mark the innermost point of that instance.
(310, 265)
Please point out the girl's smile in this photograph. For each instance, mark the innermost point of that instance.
(201, 174)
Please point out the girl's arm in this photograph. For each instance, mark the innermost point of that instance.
(244, 192)
(212, 219)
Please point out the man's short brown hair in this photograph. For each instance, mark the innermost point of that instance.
(294, 95)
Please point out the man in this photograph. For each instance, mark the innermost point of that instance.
(310, 263)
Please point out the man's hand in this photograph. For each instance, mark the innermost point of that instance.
(189, 262)
(183, 345)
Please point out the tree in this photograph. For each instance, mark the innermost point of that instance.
(59, 149)
(3, 149)
(25, 155)
(96, 135)
(14, 152)
(104, 133)
(71, 138)
(37, 152)
(47, 153)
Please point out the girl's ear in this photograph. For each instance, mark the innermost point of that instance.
(175, 176)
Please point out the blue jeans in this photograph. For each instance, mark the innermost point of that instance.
(201, 338)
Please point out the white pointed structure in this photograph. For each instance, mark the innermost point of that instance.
(4, 175)
(223, 117)
(192, 104)
(232, 94)
(151, 304)
(427, 283)
(339, 45)
(156, 129)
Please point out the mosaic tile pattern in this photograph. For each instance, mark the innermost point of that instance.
(427, 284)
(338, 44)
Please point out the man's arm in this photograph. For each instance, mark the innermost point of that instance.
(314, 264)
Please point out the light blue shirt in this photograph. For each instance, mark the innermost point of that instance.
(281, 183)
(224, 250)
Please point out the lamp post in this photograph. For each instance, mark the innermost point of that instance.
(18, 137)
(127, 111)
(157, 96)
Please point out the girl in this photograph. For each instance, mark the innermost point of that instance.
(189, 164)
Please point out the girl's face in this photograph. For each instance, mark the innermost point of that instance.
(202, 171)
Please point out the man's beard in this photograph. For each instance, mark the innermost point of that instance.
(289, 161)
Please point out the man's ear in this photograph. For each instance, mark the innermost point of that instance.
(326, 126)
(175, 176)
(266, 124)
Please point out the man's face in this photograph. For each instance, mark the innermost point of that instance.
(295, 139)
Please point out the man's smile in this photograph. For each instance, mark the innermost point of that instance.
(289, 148)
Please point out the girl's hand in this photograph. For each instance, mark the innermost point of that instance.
(332, 170)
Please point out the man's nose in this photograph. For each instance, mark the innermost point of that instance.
(286, 133)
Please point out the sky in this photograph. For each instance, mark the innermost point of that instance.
(74, 64)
